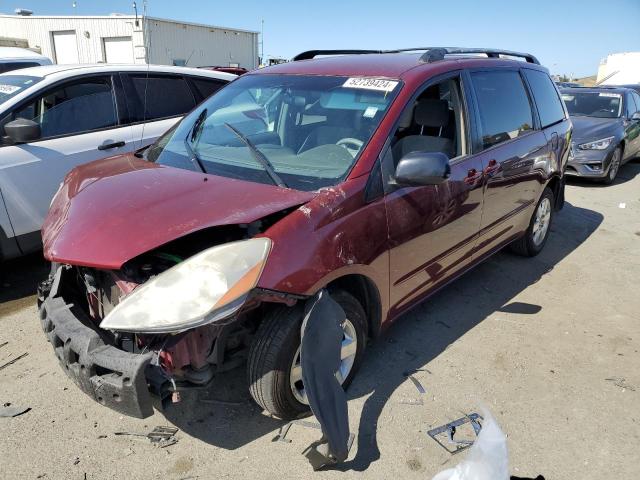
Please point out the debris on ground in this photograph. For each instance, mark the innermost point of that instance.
(160, 436)
(311, 451)
(417, 383)
(11, 362)
(621, 382)
(487, 459)
(450, 429)
(7, 410)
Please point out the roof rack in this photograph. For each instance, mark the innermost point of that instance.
(431, 54)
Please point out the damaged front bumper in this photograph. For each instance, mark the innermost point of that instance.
(112, 377)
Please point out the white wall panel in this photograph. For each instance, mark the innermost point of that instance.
(167, 40)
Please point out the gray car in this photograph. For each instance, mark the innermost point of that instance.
(606, 130)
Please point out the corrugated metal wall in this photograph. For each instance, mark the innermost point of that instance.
(168, 41)
(89, 33)
(200, 45)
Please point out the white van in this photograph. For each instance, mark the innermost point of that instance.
(55, 117)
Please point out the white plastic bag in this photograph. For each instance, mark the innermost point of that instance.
(487, 458)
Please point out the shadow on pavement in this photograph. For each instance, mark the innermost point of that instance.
(19, 280)
(225, 416)
(424, 333)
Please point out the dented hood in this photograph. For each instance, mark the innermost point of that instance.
(112, 210)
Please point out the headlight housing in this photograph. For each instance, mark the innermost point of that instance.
(203, 289)
(601, 144)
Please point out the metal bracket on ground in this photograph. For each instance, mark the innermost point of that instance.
(450, 430)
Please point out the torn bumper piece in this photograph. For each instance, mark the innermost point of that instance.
(112, 377)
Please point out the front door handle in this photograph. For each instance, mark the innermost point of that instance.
(108, 146)
(472, 177)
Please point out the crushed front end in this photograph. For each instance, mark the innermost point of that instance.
(131, 372)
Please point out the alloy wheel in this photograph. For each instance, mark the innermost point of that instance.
(542, 221)
(347, 357)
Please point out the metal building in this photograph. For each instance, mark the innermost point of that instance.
(130, 39)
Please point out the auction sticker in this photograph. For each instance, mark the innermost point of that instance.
(8, 89)
(377, 84)
(610, 95)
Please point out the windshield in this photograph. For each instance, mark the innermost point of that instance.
(304, 132)
(593, 104)
(11, 85)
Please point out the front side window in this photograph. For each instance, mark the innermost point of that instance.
(546, 97)
(12, 85)
(304, 132)
(503, 104)
(73, 108)
(160, 96)
(593, 104)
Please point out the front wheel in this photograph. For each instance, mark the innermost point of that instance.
(532, 242)
(273, 367)
(614, 166)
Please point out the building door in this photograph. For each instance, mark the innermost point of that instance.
(118, 49)
(65, 47)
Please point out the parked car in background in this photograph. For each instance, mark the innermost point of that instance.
(15, 58)
(234, 70)
(56, 117)
(606, 130)
(379, 176)
(567, 84)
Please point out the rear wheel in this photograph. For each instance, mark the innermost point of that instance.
(534, 239)
(614, 166)
(275, 375)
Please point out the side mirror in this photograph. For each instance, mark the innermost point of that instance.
(22, 130)
(422, 168)
(635, 116)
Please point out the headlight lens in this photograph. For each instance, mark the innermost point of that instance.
(204, 288)
(597, 145)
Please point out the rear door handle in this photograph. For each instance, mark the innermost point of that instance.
(472, 177)
(108, 146)
(492, 167)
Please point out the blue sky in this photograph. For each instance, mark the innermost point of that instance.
(567, 36)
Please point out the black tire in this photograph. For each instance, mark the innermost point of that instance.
(525, 245)
(616, 156)
(274, 347)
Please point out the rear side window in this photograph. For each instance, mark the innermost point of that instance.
(503, 104)
(546, 97)
(205, 87)
(636, 99)
(160, 96)
(73, 108)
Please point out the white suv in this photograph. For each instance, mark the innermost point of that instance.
(55, 117)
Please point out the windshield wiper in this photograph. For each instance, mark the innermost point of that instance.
(193, 156)
(259, 156)
(195, 130)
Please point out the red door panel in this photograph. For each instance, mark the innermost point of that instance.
(432, 232)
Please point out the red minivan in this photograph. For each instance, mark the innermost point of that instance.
(379, 175)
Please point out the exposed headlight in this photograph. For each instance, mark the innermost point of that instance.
(597, 145)
(204, 288)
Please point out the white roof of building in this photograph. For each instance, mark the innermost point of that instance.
(129, 17)
(65, 71)
(17, 52)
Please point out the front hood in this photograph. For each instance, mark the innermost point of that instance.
(112, 210)
(588, 129)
